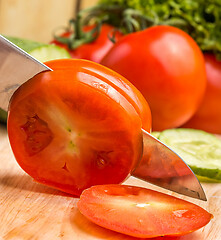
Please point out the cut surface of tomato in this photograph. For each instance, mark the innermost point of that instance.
(141, 212)
(71, 128)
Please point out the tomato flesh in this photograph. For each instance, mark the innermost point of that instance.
(141, 212)
(38, 135)
(70, 129)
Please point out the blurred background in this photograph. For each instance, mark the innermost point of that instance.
(37, 19)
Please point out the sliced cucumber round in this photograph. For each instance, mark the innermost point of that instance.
(3, 116)
(40, 51)
(156, 134)
(199, 149)
(49, 52)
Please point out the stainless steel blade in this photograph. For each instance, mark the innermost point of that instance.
(16, 67)
(163, 167)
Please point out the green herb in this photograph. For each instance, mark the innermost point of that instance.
(199, 18)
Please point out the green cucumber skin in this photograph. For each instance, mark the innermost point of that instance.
(25, 44)
(41, 51)
(207, 180)
(3, 116)
(212, 175)
(202, 170)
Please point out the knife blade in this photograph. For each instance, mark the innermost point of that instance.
(16, 67)
(159, 164)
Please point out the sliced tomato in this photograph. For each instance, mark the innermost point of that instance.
(77, 126)
(141, 212)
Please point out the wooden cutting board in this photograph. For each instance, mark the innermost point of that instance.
(31, 211)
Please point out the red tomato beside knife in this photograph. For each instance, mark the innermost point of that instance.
(77, 126)
(168, 68)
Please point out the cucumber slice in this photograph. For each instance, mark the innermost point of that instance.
(199, 149)
(3, 116)
(156, 134)
(207, 180)
(42, 52)
(49, 52)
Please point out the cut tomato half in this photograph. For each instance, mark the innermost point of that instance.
(77, 126)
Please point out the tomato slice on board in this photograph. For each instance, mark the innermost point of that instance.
(71, 128)
(141, 212)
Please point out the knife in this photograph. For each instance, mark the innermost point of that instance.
(159, 165)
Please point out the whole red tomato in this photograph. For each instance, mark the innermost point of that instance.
(96, 49)
(77, 126)
(167, 66)
(208, 116)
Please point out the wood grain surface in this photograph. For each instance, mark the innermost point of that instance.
(31, 211)
(37, 19)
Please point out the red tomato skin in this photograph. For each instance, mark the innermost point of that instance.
(95, 50)
(168, 68)
(141, 212)
(208, 116)
(122, 85)
(70, 129)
